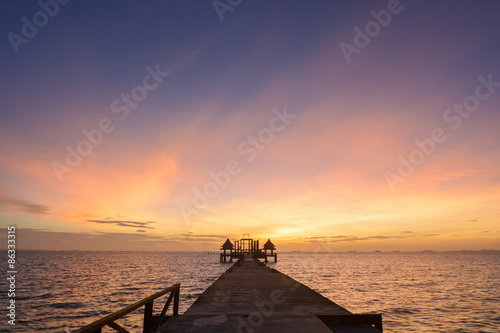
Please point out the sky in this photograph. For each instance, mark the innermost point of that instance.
(322, 125)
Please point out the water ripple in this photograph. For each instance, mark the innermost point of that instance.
(415, 292)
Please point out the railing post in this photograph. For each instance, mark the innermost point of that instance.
(147, 302)
(176, 301)
(148, 317)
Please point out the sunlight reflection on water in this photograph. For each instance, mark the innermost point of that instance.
(415, 292)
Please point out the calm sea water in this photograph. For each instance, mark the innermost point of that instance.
(415, 292)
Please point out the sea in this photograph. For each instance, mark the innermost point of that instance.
(60, 291)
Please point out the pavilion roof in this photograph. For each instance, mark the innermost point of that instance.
(269, 245)
(227, 245)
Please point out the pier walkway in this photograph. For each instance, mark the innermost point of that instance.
(250, 297)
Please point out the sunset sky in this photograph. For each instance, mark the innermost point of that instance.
(172, 125)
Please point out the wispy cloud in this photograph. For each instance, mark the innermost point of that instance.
(190, 234)
(342, 238)
(139, 240)
(7, 202)
(131, 224)
(104, 241)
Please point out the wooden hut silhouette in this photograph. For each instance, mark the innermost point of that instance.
(269, 246)
(227, 246)
(247, 247)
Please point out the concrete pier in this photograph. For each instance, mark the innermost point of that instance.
(250, 297)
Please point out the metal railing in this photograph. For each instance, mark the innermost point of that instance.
(151, 323)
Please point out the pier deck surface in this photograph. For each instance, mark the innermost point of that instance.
(254, 298)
